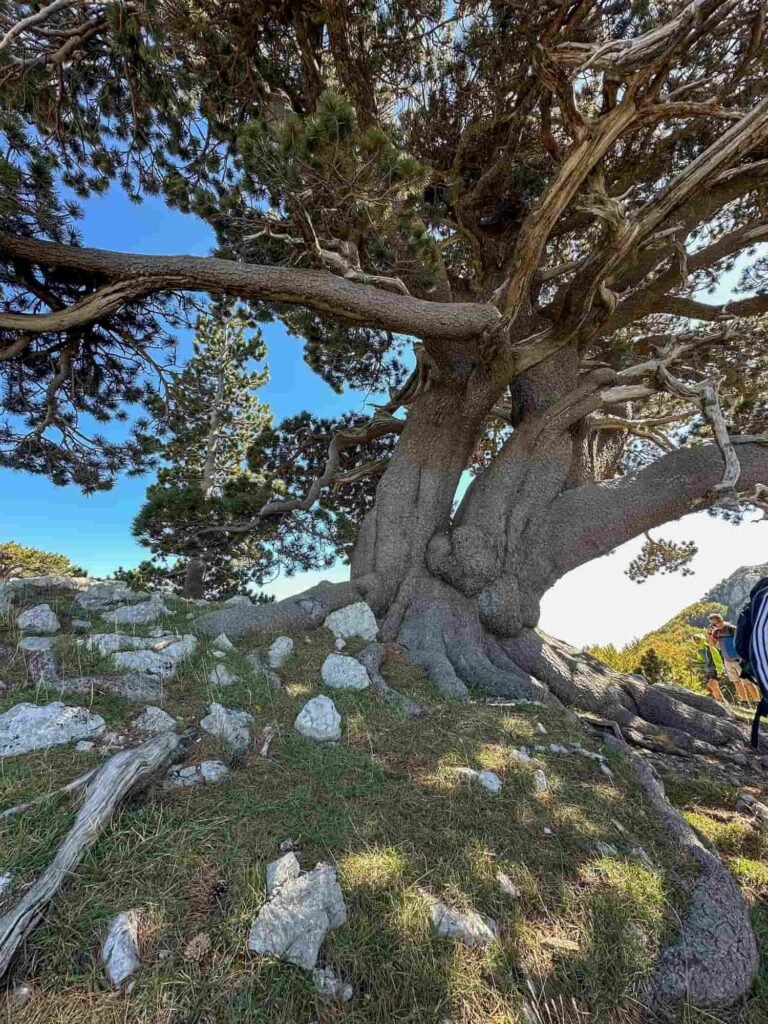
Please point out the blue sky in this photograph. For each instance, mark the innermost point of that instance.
(593, 604)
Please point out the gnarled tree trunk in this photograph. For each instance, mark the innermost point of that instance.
(460, 587)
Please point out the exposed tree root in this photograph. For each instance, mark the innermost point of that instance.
(301, 612)
(714, 959)
(372, 657)
(121, 774)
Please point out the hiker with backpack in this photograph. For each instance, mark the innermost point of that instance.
(751, 644)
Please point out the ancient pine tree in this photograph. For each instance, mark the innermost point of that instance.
(535, 209)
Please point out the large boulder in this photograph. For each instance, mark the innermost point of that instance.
(138, 614)
(295, 919)
(101, 595)
(354, 620)
(40, 619)
(343, 673)
(319, 720)
(27, 727)
(134, 687)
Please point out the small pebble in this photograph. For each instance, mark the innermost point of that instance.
(541, 729)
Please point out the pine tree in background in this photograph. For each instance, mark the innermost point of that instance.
(19, 561)
(654, 668)
(213, 417)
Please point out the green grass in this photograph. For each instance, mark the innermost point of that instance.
(386, 806)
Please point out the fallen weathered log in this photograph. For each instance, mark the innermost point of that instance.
(121, 774)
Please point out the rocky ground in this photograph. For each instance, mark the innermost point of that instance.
(331, 840)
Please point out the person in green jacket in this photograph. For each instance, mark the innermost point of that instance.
(708, 659)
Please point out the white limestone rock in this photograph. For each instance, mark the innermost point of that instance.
(319, 720)
(153, 720)
(40, 619)
(354, 620)
(27, 727)
(107, 644)
(521, 755)
(138, 614)
(540, 783)
(223, 643)
(507, 886)
(80, 625)
(99, 596)
(85, 746)
(282, 870)
(231, 727)
(295, 919)
(120, 952)
(221, 676)
(340, 644)
(190, 775)
(6, 880)
(341, 672)
(161, 660)
(488, 780)
(541, 729)
(238, 599)
(468, 927)
(280, 652)
(213, 772)
(329, 986)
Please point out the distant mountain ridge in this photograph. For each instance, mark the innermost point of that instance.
(734, 590)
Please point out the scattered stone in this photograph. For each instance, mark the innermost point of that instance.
(223, 643)
(107, 644)
(80, 625)
(507, 886)
(153, 720)
(606, 771)
(331, 987)
(85, 746)
(354, 620)
(295, 919)
(541, 729)
(221, 676)
(231, 727)
(256, 660)
(340, 644)
(319, 720)
(280, 652)
(189, 775)
(548, 832)
(555, 748)
(468, 927)
(341, 672)
(238, 599)
(27, 727)
(158, 662)
(289, 844)
(138, 614)
(40, 619)
(213, 771)
(40, 659)
(540, 783)
(521, 755)
(114, 740)
(281, 871)
(5, 882)
(158, 631)
(120, 951)
(488, 780)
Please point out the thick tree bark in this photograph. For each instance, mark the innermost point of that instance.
(194, 578)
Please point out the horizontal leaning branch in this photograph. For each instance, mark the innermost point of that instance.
(316, 289)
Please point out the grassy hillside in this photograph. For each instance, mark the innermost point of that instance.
(673, 642)
(388, 808)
